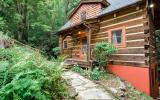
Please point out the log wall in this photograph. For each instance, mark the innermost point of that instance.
(132, 19)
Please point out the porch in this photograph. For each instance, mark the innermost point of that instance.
(75, 42)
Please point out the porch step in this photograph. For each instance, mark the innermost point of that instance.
(71, 62)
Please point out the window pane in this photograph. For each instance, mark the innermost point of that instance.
(117, 37)
(65, 44)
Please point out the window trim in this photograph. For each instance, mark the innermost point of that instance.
(64, 44)
(123, 44)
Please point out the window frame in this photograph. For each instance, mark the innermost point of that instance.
(64, 44)
(123, 44)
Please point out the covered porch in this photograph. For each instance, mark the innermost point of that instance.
(75, 42)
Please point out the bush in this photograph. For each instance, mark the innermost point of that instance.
(27, 75)
(77, 69)
(96, 74)
(102, 51)
(56, 51)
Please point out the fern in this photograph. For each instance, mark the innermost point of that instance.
(27, 75)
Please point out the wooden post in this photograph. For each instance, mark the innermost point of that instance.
(89, 44)
(61, 43)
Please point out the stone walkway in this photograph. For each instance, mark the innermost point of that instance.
(84, 88)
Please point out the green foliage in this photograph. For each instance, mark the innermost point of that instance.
(77, 69)
(102, 51)
(57, 51)
(27, 75)
(35, 22)
(96, 74)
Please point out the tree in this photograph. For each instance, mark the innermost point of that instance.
(35, 22)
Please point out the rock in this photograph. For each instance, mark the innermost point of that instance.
(113, 90)
(72, 93)
(80, 88)
(77, 82)
(90, 85)
(122, 85)
(93, 94)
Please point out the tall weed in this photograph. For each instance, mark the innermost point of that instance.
(27, 75)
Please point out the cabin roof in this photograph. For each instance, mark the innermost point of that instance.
(114, 5)
(117, 4)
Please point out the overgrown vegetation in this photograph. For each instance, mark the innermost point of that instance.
(27, 75)
(101, 52)
(57, 51)
(35, 22)
(94, 74)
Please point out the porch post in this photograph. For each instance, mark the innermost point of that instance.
(89, 44)
(61, 43)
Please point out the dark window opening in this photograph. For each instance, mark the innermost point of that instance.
(65, 45)
(116, 37)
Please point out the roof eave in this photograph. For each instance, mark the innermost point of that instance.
(68, 28)
(102, 15)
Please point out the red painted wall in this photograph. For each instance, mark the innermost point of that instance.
(138, 77)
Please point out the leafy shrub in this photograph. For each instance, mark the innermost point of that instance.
(77, 69)
(102, 51)
(57, 51)
(27, 75)
(96, 74)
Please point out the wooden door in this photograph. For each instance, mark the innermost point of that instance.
(84, 48)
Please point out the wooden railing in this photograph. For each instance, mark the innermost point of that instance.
(67, 52)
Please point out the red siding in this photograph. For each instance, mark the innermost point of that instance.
(138, 77)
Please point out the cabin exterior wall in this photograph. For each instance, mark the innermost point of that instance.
(133, 53)
(92, 10)
(133, 62)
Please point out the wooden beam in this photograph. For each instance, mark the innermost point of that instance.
(89, 42)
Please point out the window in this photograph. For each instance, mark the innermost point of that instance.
(65, 46)
(117, 37)
(83, 16)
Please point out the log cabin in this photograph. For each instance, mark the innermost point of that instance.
(129, 25)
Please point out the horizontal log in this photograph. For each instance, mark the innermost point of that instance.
(128, 58)
(99, 40)
(135, 44)
(131, 51)
(127, 16)
(99, 35)
(135, 30)
(124, 22)
(135, 37)
(129, 63)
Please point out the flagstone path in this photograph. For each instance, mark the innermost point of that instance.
(85, 89)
